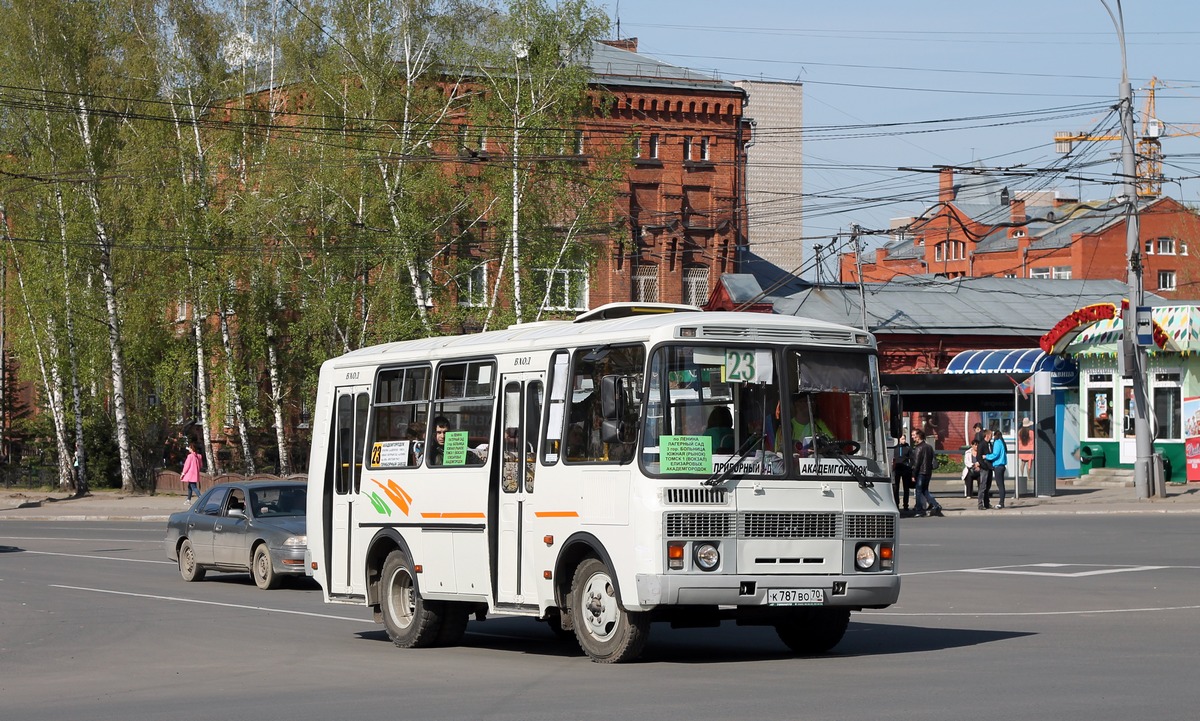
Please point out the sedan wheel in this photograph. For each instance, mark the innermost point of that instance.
(188, 568)
(262, 570)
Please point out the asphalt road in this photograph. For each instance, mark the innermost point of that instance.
(1089, 617)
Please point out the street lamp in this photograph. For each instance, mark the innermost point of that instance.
(1133, 354)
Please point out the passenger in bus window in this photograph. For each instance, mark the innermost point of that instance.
(576, 443)
(720, 430)
(416, 447)
(441, 425)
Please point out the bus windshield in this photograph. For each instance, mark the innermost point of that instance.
(760, 412)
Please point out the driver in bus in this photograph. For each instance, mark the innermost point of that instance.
(804, 426)
(441, 425)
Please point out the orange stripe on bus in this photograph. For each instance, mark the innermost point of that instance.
(464, 514)
(556, 514)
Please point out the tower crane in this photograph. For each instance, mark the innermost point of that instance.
(1149, 146)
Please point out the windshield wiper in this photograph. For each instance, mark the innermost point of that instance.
(748, 445)
(829, 446)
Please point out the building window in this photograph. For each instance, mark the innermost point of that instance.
(567, 288)
(579, 142)
(1164, 246)
(1166, 280)
(473, 287)
(695, 286)
(653, 146)
(704, 148)
(950, 250)
(1058, 272)
(687, 147)
(645, 284)
(1167, 403)
(1099, 411)
(637, 146)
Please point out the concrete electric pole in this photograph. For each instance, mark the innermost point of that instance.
(1134, 355)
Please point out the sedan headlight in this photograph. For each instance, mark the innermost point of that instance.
(864, 557)
(301, 541)
(707, 556)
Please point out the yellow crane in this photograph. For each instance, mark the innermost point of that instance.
(1149, 146)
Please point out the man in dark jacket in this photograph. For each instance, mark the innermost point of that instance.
(902, 471)
(922, 467)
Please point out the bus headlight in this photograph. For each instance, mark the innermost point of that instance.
(707, 556)
(864, 557)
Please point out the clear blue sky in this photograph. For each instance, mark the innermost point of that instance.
(865, 62)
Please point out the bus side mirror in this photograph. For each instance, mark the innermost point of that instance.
(612, 409)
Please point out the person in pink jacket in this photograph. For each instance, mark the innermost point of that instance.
(191, 471)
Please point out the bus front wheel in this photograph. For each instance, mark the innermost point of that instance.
(814, 630)
(411, 621)
(606, 632)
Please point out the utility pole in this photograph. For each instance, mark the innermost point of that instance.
(817, 248)
(855, 232)
(1135, 355)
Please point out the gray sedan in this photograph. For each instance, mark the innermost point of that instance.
(257, 527)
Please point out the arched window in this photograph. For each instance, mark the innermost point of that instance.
(695, 285)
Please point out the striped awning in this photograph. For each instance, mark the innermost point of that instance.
(1005, 360)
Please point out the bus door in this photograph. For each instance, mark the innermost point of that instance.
(515, 484)
(343, 475)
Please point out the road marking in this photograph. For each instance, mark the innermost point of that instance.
(1099, 570)
(210, 603)
(977, 614)
(99, 558)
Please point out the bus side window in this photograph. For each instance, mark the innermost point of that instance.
(464, 401)
(552, 435)
(625, 366)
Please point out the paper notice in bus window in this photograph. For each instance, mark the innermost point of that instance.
(390, 454)
(454, 453)
(708, 356)
(554, 423)
(685, 454)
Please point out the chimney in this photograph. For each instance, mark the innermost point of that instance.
(1017, 215)
(946, 189)
(629, 44)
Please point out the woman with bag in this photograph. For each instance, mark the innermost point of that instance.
(998, 459)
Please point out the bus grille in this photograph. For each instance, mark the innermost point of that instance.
(752, 525)
(873, 525)
(694, 496)
(700, 525)
(788, 525)
(817, 335)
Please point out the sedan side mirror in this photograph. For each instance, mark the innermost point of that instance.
(237, 512)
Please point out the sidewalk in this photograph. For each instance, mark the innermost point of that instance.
(115, 506)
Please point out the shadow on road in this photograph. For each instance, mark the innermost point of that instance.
(725, 644)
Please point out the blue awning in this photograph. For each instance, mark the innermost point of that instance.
(1006, 360)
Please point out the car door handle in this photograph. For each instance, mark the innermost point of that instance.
(217, 527)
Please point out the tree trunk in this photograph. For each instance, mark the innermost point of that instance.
(232, 385)
(113, 315)
(285, 463)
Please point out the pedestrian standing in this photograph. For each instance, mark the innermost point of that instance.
(998, 458)
(191, 471)
(902, 471)
(922, 468)
(983, 446)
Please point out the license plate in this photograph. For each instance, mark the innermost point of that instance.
(795, 597)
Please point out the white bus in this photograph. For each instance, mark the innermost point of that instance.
(641, 463)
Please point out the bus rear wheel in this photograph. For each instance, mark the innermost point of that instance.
(411, 621)
(606, 632)
(814, 631)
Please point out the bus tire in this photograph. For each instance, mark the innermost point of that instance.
(606, 632)
(188, 568)
(814, 631)
(410, 620)
(454, 624)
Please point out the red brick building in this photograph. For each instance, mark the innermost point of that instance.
(981, 229)
(682, 213)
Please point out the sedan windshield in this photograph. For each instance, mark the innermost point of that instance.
(274, 501)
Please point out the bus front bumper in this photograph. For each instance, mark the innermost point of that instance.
(860, 591)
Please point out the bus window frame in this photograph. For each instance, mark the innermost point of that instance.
(372, 422)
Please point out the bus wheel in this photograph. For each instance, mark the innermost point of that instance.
(815, 630)
(188, 568)
(605, 630)
(411, 621)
